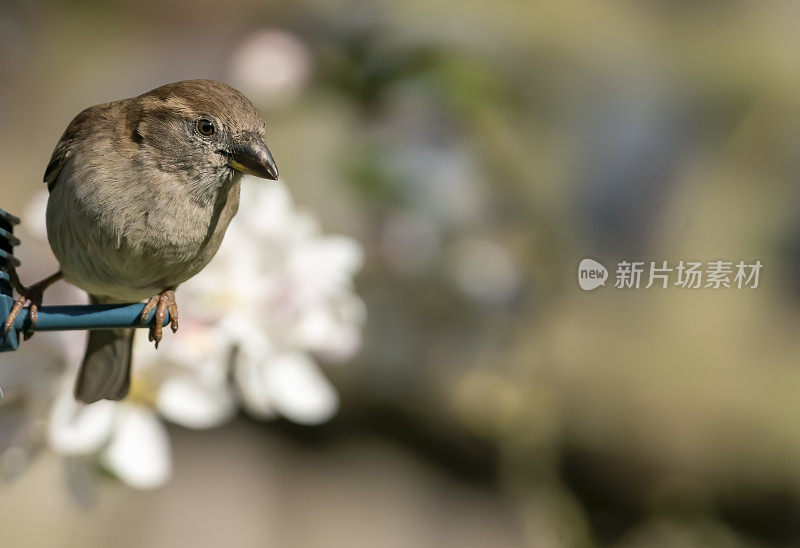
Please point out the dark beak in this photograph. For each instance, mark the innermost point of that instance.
(252, 157)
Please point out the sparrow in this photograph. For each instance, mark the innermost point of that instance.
(141, 191)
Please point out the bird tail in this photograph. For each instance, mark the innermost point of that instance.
(106, 369)
(105, 373)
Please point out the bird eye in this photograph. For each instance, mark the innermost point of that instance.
(205, 127)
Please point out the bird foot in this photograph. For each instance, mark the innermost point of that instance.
(162, 302)
(33, 295)
(36, 302)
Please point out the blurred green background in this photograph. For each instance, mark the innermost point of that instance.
(478, 151)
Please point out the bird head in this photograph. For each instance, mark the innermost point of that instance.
(204, 132)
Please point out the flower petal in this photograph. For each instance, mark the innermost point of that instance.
(324, 266)
(328, 336)
(299, 390)
(139, 453)
(248, 373)
(75, 428)
(193, 402)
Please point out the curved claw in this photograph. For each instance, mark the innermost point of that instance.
(173, 313)
(33, 317)
(32, 294)
(162, 303)
(151, 303)
(8, 325)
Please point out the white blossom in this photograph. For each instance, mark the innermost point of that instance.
(278, 296)
(128, 438)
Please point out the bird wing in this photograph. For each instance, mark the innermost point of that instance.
(77, 130)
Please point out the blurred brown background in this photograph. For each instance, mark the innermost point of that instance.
(478, 151)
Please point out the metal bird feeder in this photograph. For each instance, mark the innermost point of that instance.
(57, 318)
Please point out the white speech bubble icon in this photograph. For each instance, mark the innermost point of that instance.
(591, 274)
